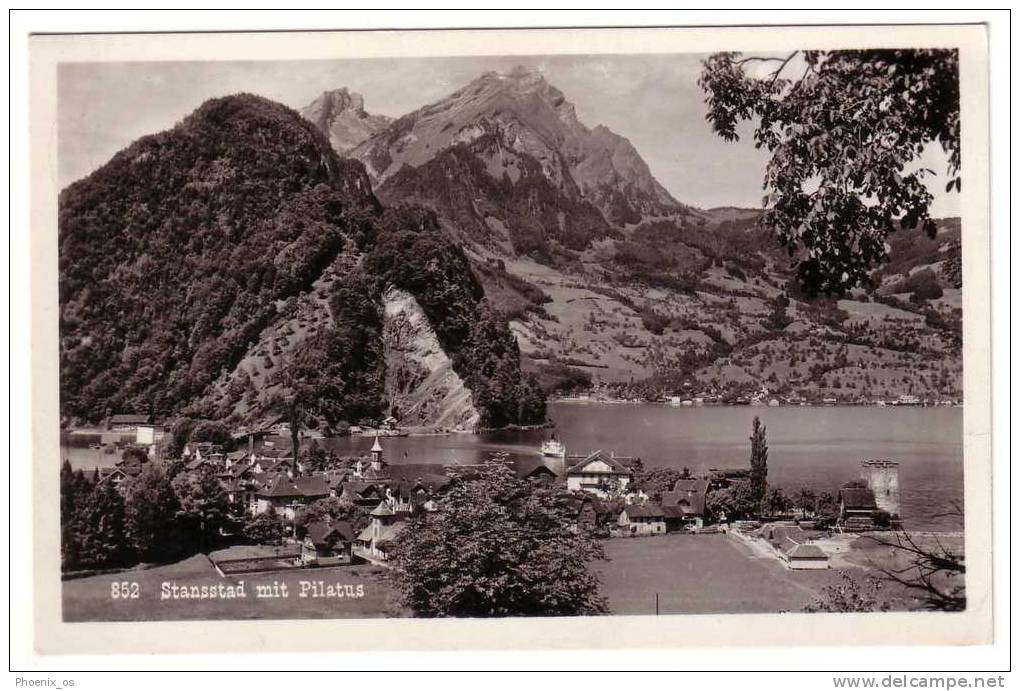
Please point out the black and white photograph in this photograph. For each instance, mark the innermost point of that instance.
(491, 336)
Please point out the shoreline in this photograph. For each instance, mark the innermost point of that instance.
(667, 404)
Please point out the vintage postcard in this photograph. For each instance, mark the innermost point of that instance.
(511, 338)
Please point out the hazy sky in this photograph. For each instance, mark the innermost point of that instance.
(653, 100)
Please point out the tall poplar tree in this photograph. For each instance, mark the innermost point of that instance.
(759, 461)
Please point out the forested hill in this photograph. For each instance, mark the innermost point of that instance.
(187, 247)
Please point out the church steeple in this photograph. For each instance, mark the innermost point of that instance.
(378, 462)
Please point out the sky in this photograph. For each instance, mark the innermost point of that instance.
(653, 100)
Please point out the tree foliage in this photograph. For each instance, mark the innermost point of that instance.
(266, 528)
(173, 254)
(496, 546)
(845, 130)
(655, 481)
(151, 508)
(177, 254)
(759, 461)
(330, 509)
(91, 522)
(737, 501)
(203, 504)
(851, 595)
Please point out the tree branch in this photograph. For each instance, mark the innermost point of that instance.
(775, 75)
(755, 58)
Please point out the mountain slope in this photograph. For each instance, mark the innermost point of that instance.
(500, 199)
(219, 269)
(340, 115)
(608, 278)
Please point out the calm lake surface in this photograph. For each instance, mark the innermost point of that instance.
(814, 447)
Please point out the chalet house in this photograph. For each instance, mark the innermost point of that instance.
(113, 476)
(856, 507)
(600, 474)
(286, 495)
(130, 466)
(375, 541)
(684, 506)
(335, 481)
(535, 470)
(240, 484)
(362, 493)
(327, 544)
(637, 519)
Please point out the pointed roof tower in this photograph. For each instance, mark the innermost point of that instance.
(382, 510)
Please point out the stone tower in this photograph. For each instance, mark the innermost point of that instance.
(883, 478)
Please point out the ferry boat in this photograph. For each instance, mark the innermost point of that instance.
(554, 449)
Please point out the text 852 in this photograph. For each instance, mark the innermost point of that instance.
(124, 590)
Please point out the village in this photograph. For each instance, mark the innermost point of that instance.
(283, 510)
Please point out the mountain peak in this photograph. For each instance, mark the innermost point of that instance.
(340, 115)
(525, 115)
(339, 100)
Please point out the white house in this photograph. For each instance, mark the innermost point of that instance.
(647, 519)
(599, 473)
(148, 434)
(801, 556)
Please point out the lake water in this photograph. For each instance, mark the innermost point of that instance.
(819, 448)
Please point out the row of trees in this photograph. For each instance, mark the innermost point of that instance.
(160, 514)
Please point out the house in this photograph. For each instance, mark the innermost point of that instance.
(856, 507)
(684, 506)
(114, 476)
(148, 434)
(286, 494)
(362, 493)
(637, 519)
(803, 556)
(327, 544)
(130, 466)
(600, 474)
(239, 482)
(375, 540)
(236, 457)
(535, 470)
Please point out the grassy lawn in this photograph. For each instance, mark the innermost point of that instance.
(89, 599)
(702, 574)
